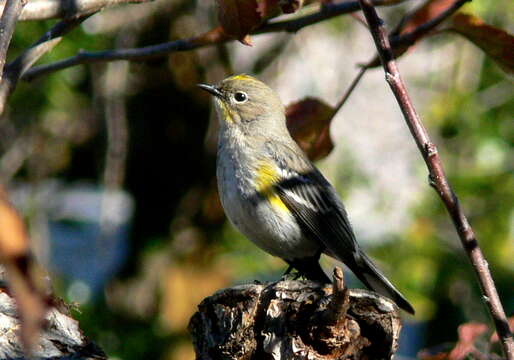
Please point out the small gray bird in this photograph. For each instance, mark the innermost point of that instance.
(275, 196)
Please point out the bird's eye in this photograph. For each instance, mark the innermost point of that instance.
(240, 97)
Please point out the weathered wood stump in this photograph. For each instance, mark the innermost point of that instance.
(60, 337)
(295, 320)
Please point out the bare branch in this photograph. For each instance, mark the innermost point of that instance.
(214, 36)
(327, 11)
(134, 54)
(401, 42)
(438, 177)
(14, 70)
(12, 11)
(350, 89)
(54, 9)
(412, 36)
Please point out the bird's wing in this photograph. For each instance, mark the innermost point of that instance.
(313, 202)
(318, 210)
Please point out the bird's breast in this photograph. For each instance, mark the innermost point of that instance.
(247, 191)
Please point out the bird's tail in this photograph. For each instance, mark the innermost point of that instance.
(369, 274)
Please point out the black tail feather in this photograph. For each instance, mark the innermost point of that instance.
(369, 274)
(363, 268)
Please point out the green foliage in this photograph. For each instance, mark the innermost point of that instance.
(170, 173)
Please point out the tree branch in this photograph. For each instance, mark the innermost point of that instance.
(326, 11)
(14, 70)
(350, 89)
(55, 9)
(12, 11)
(401, 42)
(214, 36)
(438, 177)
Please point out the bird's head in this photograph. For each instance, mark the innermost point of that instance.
(242, 100)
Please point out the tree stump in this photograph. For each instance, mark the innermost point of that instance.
(60, 337)
(295, 320)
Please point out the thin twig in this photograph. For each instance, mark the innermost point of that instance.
(14, 70)
(350, 89)
(10, 15)
(327, 11)
(134, 54)
(66, 9)
(212, 37)
(412, 36)
(438, 178)
(401, 42)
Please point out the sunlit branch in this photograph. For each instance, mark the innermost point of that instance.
(215, 36)
(438, 178)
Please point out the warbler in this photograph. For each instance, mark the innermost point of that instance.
(275, 196)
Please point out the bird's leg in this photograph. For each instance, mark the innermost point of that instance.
(287, 274)
(309, 269)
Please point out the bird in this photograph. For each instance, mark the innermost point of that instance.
(275, 196)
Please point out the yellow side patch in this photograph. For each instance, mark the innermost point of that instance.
(266, 178)
(227, 115)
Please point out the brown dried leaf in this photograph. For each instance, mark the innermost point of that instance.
(308, 121)
(13, 238)
(428, 11)
(267, 8)
(238, 18)
(468, 333)
(290, 6)
(14, 254)
(466, 346)
(496, 43)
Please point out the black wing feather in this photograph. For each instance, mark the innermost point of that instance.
(320, 213)
(316, 206)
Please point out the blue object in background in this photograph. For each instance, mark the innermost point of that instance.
(89, 230)
(411, 339)
(82, 231)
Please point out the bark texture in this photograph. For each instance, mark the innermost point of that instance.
(295, 320)
(60, 337)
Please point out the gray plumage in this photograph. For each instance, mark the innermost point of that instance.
(275, 196)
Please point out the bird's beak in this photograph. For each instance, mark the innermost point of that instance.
(211, 89)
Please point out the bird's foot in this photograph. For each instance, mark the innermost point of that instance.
(290, 275)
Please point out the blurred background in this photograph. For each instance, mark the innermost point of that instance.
(113, 167)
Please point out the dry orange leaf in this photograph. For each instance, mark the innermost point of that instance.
(290, 6)
(13, 239)
(468, 333)
(426, 12)
(308, 121)
(239, 18)
(469, 345)
(14, 254)
(495, 42)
